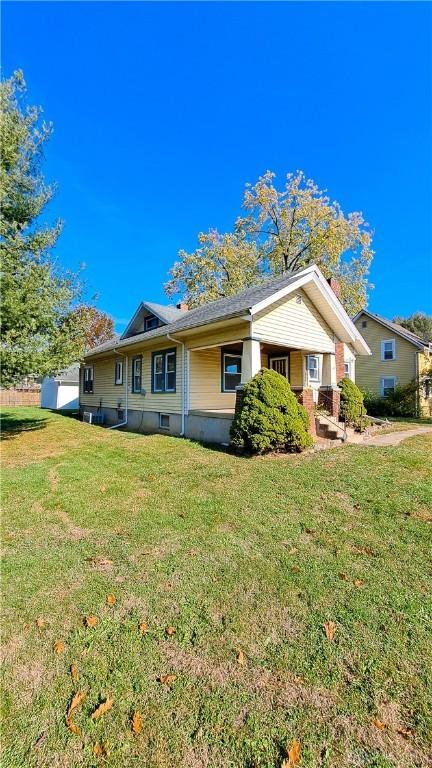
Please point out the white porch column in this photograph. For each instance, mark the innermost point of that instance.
(251, 359)
(329, 378)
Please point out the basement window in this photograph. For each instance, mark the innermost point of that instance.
(164, 421)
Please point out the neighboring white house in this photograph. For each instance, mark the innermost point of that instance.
(61, 392)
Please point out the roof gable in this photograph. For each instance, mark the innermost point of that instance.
(394, 327)
(165, 315)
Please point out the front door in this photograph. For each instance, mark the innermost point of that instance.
(281, 365)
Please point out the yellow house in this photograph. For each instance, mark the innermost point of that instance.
(181, 371)
(398, 357)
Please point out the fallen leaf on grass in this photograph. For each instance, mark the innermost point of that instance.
(362, 550)
(329, 628)
(100, 750)
(143, 627)
(111, 599)
(170, 631)
(292, 756)
(77, 700)
(40, 622)
(72, 726)
(90, 621)
(240, 657)
(310, 531)
(137, 720)
(74, 672)
(405, 732)
(58, 646)
(295, 569)
(102, 708)
(167, 679)
(378, 724)
(293, 551)
(343, 576)
(358, 582)
(41, 739)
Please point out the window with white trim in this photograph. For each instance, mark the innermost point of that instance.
(388, 349)
(164, 371)
(136, 374)
(348, 368)
(231, 372)
(312, 367)
(118, 372)
(88, 380)
(388, 385)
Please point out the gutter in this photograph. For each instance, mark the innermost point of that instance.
(183, 380)
(123, 423)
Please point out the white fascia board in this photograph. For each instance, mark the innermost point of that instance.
(131, 322)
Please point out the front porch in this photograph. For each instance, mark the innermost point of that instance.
(217, 374)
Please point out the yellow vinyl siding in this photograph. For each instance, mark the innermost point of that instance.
(424, 362)
(296, 368)
(110, 394)
(205, 381)
(371, 369)
(295, 325)
(224, 335)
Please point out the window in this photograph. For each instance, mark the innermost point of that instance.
(312, 367)
(88, 379)
(164, 371)
(427, 389)
(150, 323)
(388, 384)
(347, 368)
(388, 350)
(364, 323)
(231, 372)
(164, 421)
(136, 374)
(118, 379)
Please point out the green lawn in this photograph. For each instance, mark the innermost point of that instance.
(236, 554)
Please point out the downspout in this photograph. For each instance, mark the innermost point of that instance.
(123, 423)
(183, 379)
(417, 372)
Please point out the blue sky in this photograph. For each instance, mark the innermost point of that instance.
(162, 113)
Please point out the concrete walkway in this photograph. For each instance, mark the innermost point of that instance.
(394, 438)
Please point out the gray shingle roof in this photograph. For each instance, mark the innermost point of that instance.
(167, 312)
(211, 312)
(69, 374)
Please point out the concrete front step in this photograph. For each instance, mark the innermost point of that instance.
(327, 430)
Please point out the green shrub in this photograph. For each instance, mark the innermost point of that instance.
(401, 402)
(270, 417)
(351, 402)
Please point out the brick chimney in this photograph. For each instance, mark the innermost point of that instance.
(335, 286)
(339, 346)
(183, 306)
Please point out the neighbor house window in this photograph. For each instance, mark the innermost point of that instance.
(118, 372)
(231, 372)
(164, 371)
(312, 367)
(88, 379)
(388, 384)
(388, 350)
(150, 323)
(136, 374)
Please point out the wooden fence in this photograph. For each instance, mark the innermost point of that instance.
(19, 397)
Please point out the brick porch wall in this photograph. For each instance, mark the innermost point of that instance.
(305, 397)
(340, 363)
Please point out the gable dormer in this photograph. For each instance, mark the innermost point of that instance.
(150, 316)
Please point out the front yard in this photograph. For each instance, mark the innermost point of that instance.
(248, 563)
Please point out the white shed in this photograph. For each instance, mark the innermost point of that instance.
(61, 392)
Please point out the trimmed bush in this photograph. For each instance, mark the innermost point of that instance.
(351, 402)
(401, 402)
(270, 417)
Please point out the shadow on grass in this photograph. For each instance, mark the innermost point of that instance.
(12, 424)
